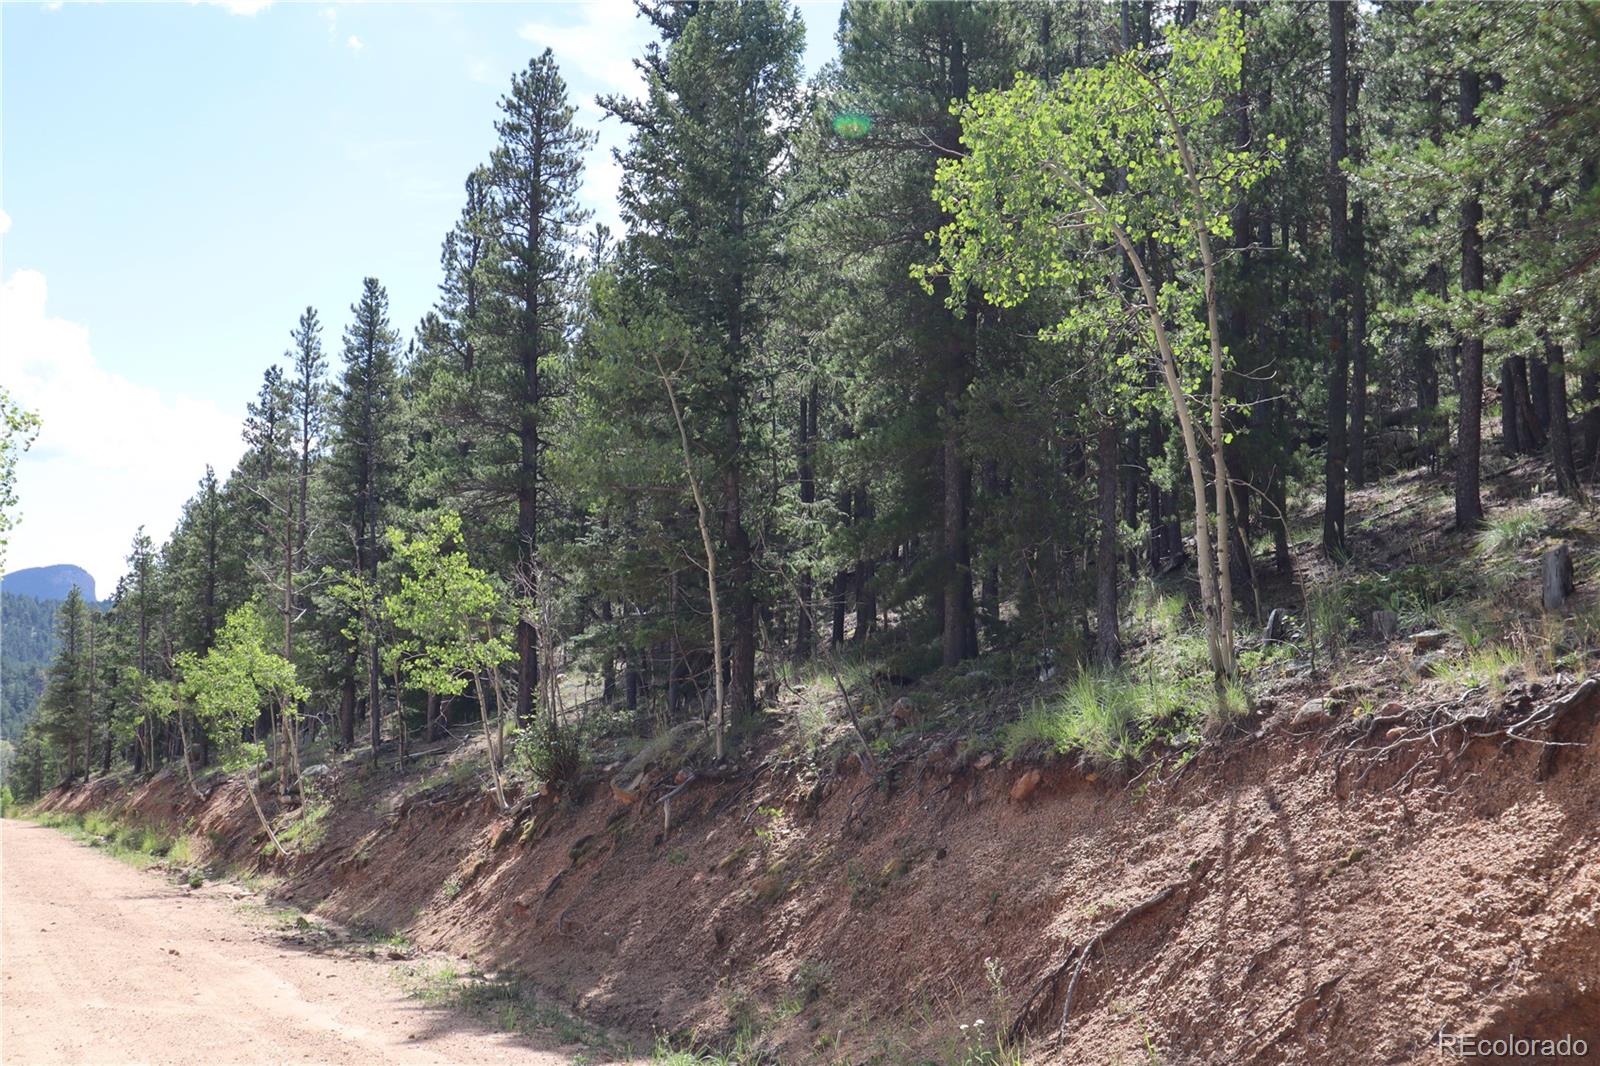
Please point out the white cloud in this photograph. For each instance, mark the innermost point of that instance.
(111, 455)
(354, 43)
(237, 7)
(595, 45)
(599, 46)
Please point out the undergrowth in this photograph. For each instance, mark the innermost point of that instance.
(137, 846)
(509, 1004)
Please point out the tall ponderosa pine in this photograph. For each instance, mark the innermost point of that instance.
(65, 713)
(524, 290)
(308, 390)
(364, 468)
(700, 197)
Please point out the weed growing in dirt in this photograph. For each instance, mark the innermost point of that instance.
(457, 771)
(1506, 533)
(742, 1053)
(1481, 667)
(302, 831)
(1112, 716)
(137, 846)
(511, 1005)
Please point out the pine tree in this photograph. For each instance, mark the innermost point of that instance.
(523, 291)
(363, 465)
(700, 197)
(65, 714)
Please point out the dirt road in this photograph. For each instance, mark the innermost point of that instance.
(105, 964)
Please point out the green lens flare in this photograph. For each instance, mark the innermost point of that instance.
(852, 124)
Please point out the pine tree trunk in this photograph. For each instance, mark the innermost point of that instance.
(347, 707)
(805, 629)
(1339, 310)
(1560, 434)
(841, 582)
(1469, 379)
(374, 706)
(1539, 394)
(1358, 306)
(1589, 393)
(989, 587)
(957, 569)
(1108, 643)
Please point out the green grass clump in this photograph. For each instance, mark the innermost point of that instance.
(307, 828)
(1481, 667)
(1508, 532)
(742, 1053)
(510, 1004)
(137, 846)
(1109, 716)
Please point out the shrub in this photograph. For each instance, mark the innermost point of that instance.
(1329, 611)
(552, 753)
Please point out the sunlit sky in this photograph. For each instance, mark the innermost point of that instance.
(178, 181)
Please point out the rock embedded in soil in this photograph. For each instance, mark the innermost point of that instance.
(1385, 623)
(1312, 713)
(1277, 625)
(1428, 640)
(1026, 786)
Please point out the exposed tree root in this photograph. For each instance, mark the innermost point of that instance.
(1044, 991)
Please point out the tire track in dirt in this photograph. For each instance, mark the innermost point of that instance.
(104, 964)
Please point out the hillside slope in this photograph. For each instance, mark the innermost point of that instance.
(27, 644)
(1322, 896)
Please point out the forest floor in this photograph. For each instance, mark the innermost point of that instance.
(104, 963)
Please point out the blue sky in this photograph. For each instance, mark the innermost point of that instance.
(179, 181)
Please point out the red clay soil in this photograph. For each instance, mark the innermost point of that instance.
(1302, 903)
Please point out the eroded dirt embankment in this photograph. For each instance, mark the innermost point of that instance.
(1294, 900)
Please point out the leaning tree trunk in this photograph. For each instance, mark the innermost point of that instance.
(1357, 236)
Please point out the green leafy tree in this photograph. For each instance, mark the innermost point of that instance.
(18, 428)
(1059, 178)
(230, 685)
(448, 619)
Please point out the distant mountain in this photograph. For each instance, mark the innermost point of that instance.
(50, 582)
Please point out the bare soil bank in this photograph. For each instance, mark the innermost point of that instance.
(1339, 896)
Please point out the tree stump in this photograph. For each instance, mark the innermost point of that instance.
(1277, 625)
(1386, 623)
(1557, 577)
